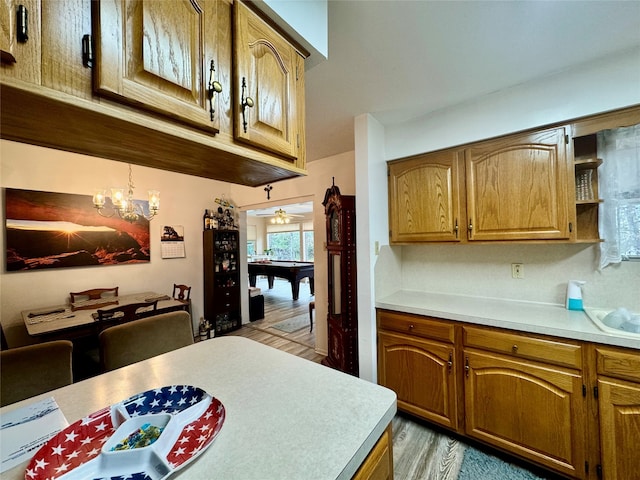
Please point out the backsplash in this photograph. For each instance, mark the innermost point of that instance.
(485, 271)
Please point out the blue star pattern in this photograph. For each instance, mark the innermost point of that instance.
(172, 399)
(132, 476)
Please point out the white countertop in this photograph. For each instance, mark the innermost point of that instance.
(529, 317)
(286, 417)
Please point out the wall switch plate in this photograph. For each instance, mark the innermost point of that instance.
(517, 270)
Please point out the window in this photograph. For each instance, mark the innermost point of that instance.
(251, 247)
(284, 245)
(308, 246)
(293, 241)
(619, 179)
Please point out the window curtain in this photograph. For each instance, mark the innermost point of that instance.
(619, 188)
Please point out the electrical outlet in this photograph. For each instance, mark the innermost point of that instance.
(517, 270)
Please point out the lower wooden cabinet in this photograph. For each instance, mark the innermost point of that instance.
(421, 374)
(534, 410)
(619, 413)
(571, 407)
(379, 463)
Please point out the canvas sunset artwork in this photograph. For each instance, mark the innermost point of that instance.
(59, 230)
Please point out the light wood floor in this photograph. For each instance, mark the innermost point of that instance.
(279, 305)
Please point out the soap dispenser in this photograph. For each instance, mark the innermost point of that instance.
(574, 295)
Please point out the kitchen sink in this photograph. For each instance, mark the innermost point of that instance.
(597, 315)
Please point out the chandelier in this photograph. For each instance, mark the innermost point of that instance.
(125, 206)
(280, 217)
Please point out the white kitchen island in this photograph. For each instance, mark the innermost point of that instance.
(286, 417)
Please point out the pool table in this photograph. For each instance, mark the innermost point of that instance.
(292, 271)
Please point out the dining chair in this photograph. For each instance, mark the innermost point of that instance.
(184, 292)
(183, 295)
(141, 339)
(94, 293)
(127, 312)
(34, 369)
(93, 298)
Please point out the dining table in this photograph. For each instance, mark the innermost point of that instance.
(69, 321)
(285, 417)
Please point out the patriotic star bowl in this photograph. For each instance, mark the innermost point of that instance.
(190, 420)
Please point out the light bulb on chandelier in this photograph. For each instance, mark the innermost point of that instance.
(125, 206)
(280, 217)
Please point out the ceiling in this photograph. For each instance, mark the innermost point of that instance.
(291, 209)
(403, 59)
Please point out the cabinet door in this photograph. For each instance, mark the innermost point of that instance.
(154, 54)
(619, 405)
(532, 410)
(265, 63)
(20, 60)
(62, 57)
(424, 198)
(517, 188)
(422, 375)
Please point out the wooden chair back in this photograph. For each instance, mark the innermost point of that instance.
(94, 298)
(183, 291)
(94, 293)
(128, 312)
(34, 369)
(141, 339)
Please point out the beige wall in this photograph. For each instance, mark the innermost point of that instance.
(183, 201)
(309, 188)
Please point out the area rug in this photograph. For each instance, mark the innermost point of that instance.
(292, 324)
(477, 465)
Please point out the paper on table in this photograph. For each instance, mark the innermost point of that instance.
(24, 430)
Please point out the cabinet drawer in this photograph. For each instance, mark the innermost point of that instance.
(227, 296)
(624, 364)
(548, 351)
(416, 325)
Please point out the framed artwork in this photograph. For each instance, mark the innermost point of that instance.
(61, 230)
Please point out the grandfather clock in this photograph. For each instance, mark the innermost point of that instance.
(342, 319)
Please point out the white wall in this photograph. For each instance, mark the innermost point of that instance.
(309, 188)
(371, 232)
(183, 201)
(484, 270)
(608, 84)
(306, 21)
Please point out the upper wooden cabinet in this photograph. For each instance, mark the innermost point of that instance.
(157, 55)
(425, 198)
(538, 186)
(8, 37)
(517, 188)
(268, 72)
(144, 80)
(20, 55)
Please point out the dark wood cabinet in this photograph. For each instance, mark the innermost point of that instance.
(342, 317)
(222, 280)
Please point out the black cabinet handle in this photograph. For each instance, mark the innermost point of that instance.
(22, 24)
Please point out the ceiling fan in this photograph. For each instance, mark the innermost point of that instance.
(279, 217)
